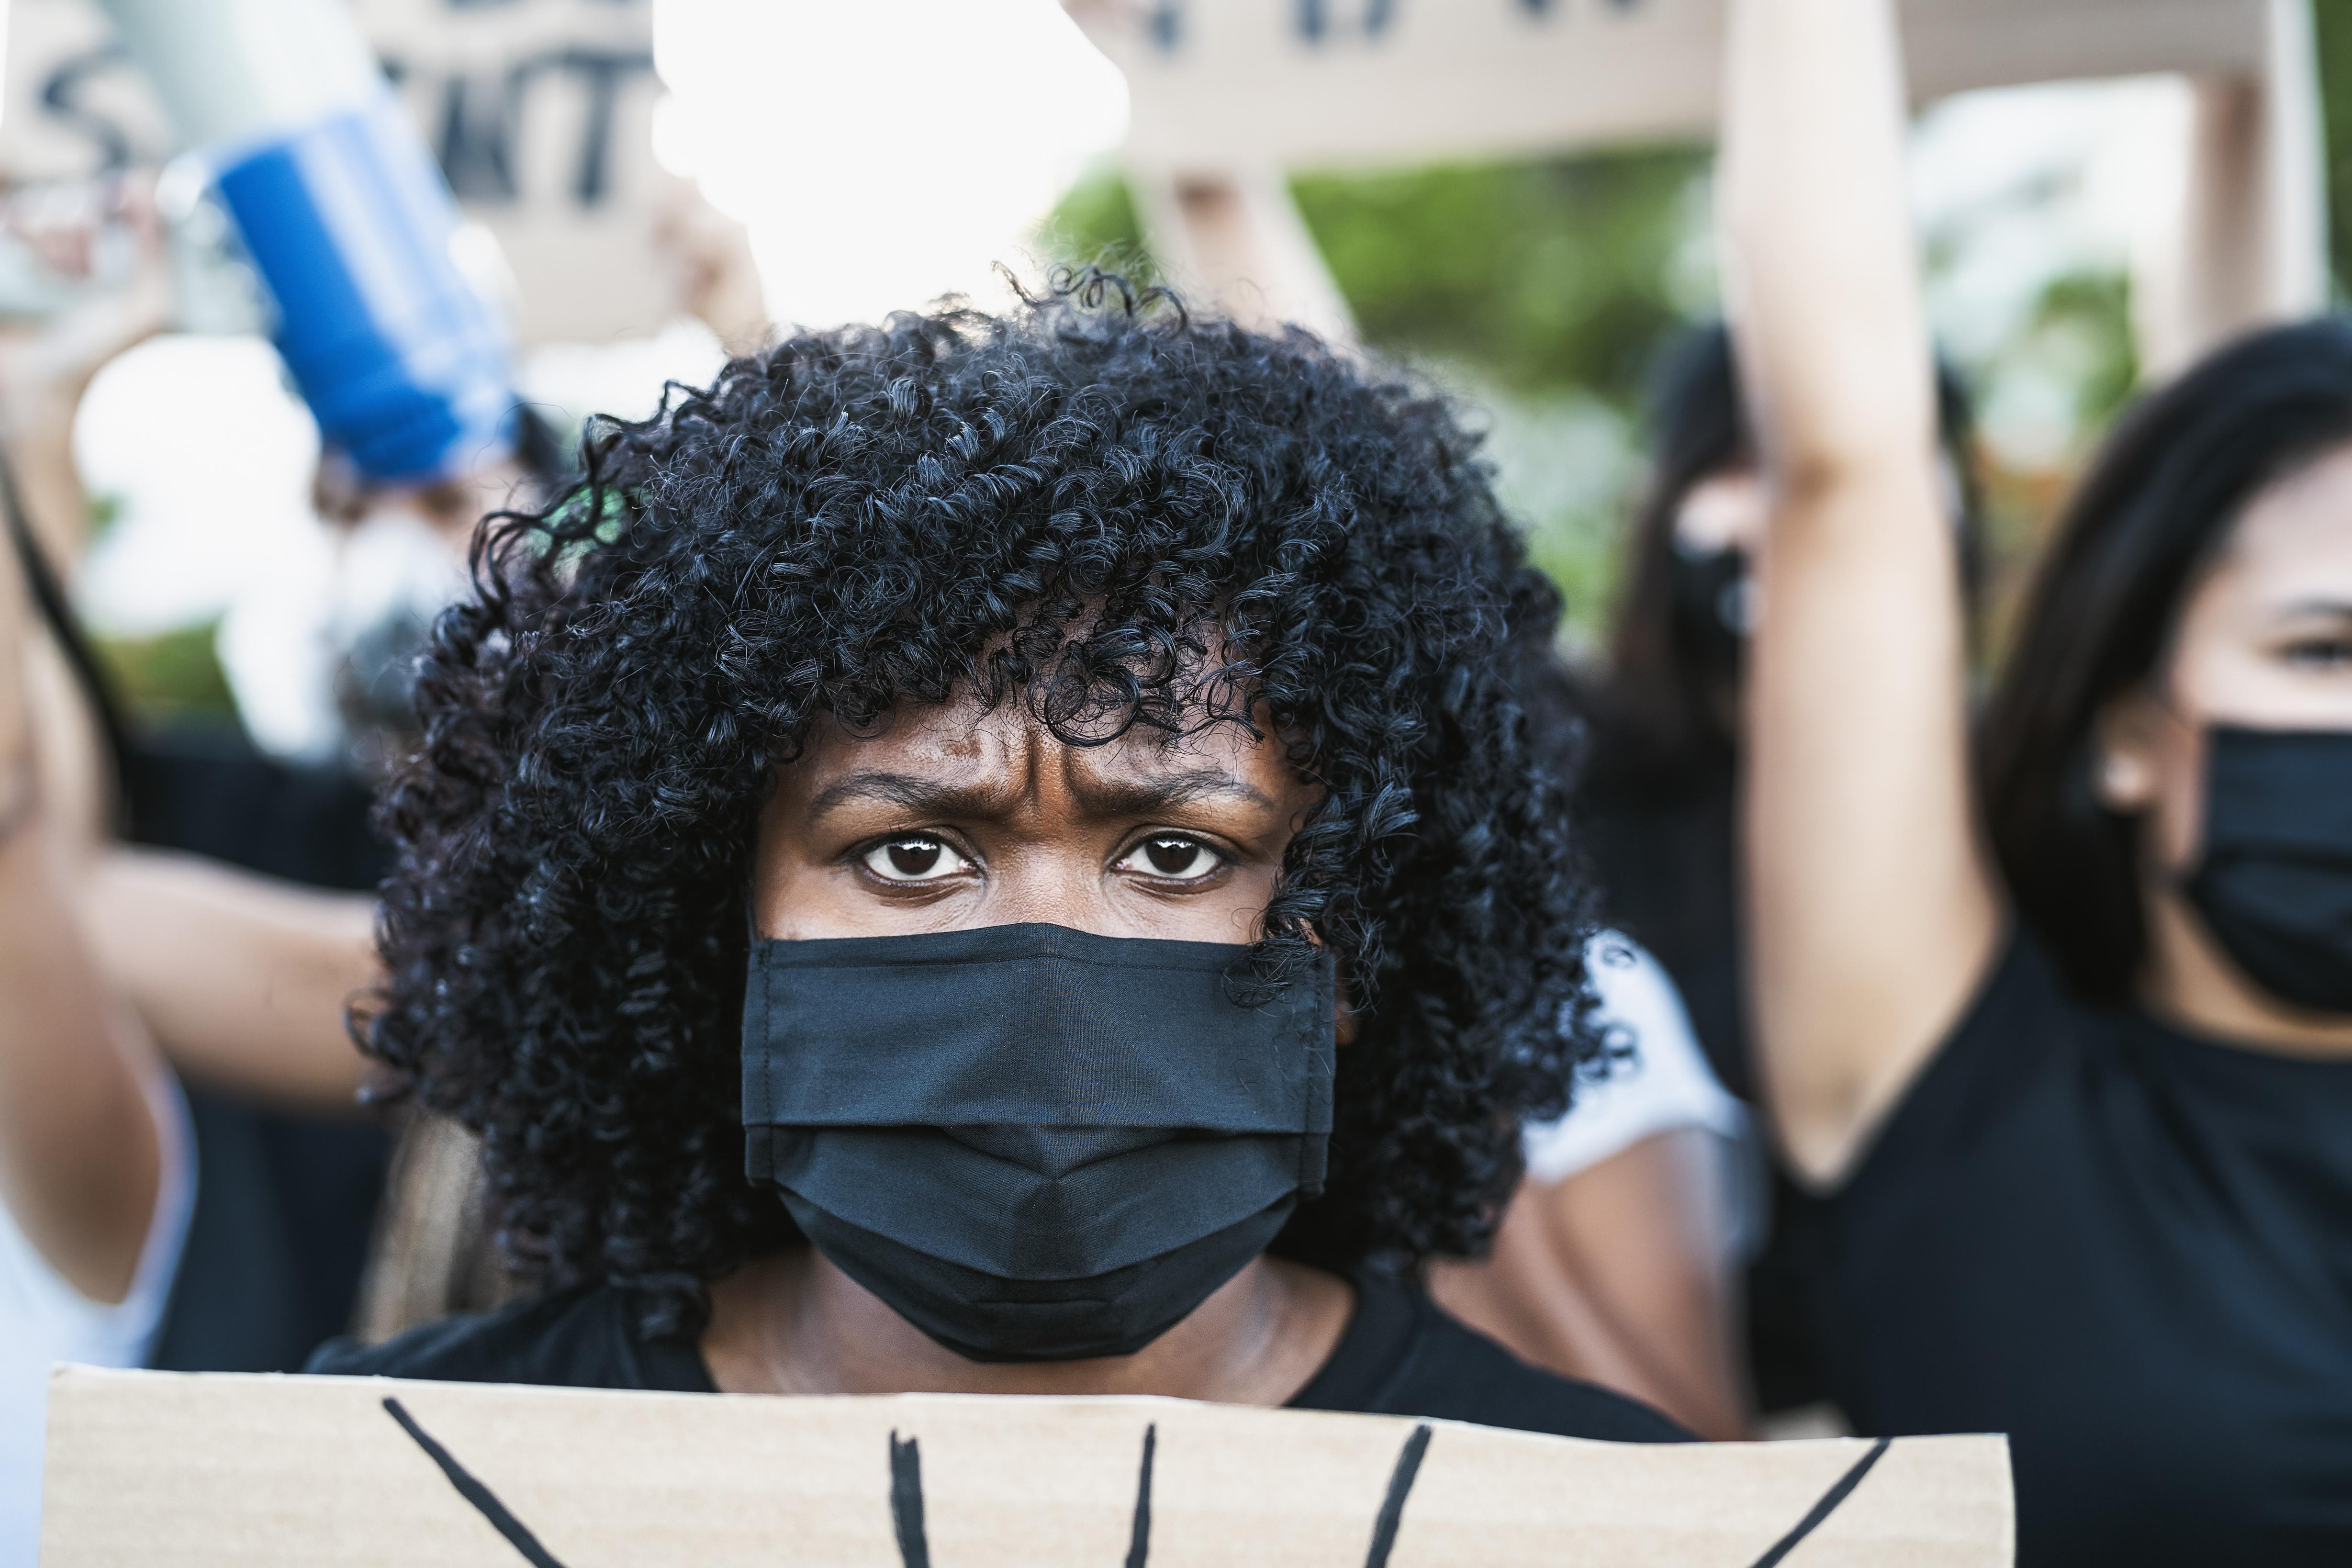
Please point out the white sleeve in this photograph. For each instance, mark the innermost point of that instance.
(1662, 1084)
(45, 1320)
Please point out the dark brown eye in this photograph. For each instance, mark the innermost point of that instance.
(913, 859)
(2327, 653)
(1178, 859)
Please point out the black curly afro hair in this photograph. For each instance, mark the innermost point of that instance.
(1096, 504)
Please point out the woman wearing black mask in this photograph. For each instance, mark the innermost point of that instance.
(2072, 1056)
(998, 855)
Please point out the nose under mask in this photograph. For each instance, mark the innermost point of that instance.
(2274, 876)
(1031, 1143)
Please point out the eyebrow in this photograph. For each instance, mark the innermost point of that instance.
(2339, 608)
(1122, 797)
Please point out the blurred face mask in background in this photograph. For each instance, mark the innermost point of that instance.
(2273, 877)
(1033, 1144)
(1712, 608)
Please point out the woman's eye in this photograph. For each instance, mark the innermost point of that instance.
(2320, 652)
(1173, 859)
(914, 859)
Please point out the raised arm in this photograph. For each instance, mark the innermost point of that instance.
(1871, 898)
(243, 980)
(80, 1153)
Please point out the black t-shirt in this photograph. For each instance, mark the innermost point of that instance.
(1401, 1355)
(1663, 848)
(2131, 1250)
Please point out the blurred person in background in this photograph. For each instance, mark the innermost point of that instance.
(240, 979)
(237, 911)
(2069, 1051)
(1658, 788)
(96, 1169)
(1617, 1258)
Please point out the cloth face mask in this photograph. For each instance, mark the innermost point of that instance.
(1033, 1144)
(2273, 880)
(1711, 603)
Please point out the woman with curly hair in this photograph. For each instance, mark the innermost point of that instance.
(998, 854)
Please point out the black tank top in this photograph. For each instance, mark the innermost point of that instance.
(2131, 1250)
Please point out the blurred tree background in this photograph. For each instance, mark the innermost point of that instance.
(2332, 21)
(1542, 290)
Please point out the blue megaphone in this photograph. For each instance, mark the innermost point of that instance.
(403, 362)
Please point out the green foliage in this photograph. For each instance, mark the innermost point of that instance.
(172, 676)
(2332, 21)
(2084, 319)
(100, 513)
(1095, 221)
(1544, 274)
(1540, 277)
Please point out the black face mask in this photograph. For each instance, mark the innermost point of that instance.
(1710, 595)
(1033, 1144)
(2273, 880)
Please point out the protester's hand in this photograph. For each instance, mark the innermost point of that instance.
(73, 229)
(711, 258)
(46, 366)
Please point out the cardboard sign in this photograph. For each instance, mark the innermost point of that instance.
(175, 1471)
(1221, 84)
(538, 111)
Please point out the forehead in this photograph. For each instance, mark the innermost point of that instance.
(966, 742)
(2293, 541)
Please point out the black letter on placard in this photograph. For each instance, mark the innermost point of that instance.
(1312, 18)
(1167, 24)
(485, 1502)
(478, 139)
(605, 71)
(1384, 1528)
(1826, 1507)
(1139, 1545)
(907, 1501)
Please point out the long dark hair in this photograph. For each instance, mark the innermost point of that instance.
(2159, 501)
(1657, 710)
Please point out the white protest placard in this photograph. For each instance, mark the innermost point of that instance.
(1220, 84)
(538, 111)
(175, 1471)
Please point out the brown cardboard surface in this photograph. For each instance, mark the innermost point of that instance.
(167, 1471)
(1242, 83)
